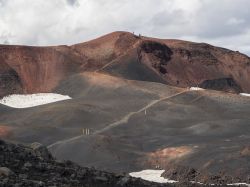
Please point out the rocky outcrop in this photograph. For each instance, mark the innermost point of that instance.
(222, 84)
(155, 55)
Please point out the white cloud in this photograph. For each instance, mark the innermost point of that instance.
(47, 22)
(235, 21)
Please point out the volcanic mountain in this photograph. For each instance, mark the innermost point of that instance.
(132, 107)
(26, 69)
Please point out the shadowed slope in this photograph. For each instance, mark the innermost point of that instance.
(9, 80)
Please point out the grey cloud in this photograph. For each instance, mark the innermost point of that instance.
(2, 2)
(222, 18)
(177, 17)
(73, 2)
(6, 42)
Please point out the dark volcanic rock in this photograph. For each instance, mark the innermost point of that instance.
(181, 173)
(26, 166)
(223, 84)
(155, 55)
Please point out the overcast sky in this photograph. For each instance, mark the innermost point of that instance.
(224, 23)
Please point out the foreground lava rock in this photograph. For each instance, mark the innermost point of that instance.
(34, 166)
(180, 173)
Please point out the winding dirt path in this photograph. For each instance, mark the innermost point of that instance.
(65, 141)
(124, 120)
(129, 115)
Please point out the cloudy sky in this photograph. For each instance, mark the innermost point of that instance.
(224, 23)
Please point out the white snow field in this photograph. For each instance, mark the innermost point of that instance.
(151, 175)
(196, 88)
(245, 94)
(31, 100)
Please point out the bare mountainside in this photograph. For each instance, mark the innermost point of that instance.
(27, 69)
(130, 108)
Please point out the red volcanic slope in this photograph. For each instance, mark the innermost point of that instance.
(25, 69)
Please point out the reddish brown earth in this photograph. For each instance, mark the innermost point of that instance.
(5, 131)
(38, 69)
(25, 69)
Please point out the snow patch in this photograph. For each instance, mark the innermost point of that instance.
(239, 184)
(196, 88)
(245, 94)
(155, 176)
(151, 175)
(31, 100)
(233, 184)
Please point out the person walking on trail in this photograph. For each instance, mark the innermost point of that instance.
(85, 131)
